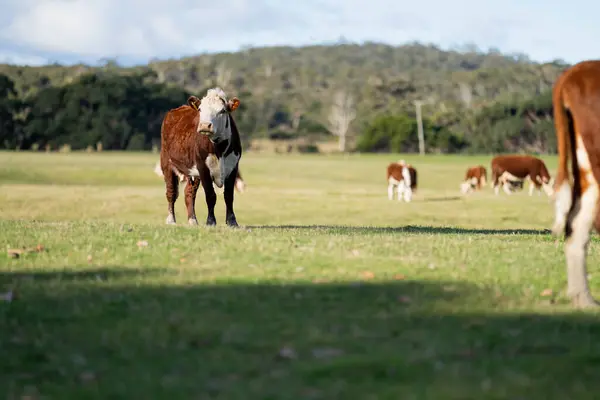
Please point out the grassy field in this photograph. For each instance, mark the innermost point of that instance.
(327, 291)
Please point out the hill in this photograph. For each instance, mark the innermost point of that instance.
(290, 92)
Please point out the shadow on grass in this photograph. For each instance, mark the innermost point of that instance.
(426, 230)
(446, 198)
(128, 336)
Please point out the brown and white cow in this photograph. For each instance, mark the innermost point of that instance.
(475, 179)
(576, 108)
(201, 144)
(402, 177)
(507, 170)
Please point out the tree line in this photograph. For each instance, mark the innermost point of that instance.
(362, 96)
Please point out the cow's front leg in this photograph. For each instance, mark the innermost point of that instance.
(532, 186)
(228, 193)
(172, 192)
(191, 188)
(506, 187)
(390, 191)
(210, 196)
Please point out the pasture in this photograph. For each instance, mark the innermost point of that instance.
(327, 290)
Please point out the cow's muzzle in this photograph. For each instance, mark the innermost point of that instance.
(206, 128)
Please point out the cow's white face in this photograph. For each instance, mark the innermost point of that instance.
(465, 187)
(549, 187)
(214, 112)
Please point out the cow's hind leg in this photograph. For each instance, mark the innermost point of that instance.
(496, 183)
(228, 193)
(172, 192)
(580, 221)
(210, 196)
(400, 190)
(191, 188)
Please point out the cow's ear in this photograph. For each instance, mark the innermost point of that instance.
(233, 104)
(194, 102)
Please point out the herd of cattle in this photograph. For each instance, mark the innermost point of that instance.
(508, 171)
(200, 144)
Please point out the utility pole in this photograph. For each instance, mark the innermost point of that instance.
(418, 104)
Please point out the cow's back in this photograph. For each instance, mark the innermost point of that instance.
(394, 170)
(518, 165)
(476, 172)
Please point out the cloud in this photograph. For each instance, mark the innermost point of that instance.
(136, 31)
(22, 59)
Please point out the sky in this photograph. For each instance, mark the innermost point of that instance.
(36, 32)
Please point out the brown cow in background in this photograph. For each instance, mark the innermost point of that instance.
(475, 179)
(402, 177)
(508, 170)
(201, 143)
(576, 107)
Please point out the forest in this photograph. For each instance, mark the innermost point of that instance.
(363, 98)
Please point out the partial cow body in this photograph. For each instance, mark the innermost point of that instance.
(507, 170)
(402, 177)
(475, 179)
(576, 107)
(200, 143)
(240, 184)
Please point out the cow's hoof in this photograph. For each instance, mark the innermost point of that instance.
(232, 223)
(193, 221)
(211, 221)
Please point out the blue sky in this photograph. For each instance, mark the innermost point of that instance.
(35, 32)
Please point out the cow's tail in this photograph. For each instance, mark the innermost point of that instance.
(565, 137)
(158, 170)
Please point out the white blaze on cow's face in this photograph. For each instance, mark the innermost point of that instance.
(214, 115)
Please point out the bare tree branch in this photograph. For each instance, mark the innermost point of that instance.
(342, 114)
(223, 75)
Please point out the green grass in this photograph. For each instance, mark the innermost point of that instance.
(327, 291)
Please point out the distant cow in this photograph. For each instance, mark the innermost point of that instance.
(475, 179)
(576, 108)
(507, 169)
(402, 177)
(201, 143)
(240, 184)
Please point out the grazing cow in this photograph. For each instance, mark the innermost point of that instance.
(475, 179)
(403, 177)
(200, 142)
(506, 169)
(240, 184)
(576, 108)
